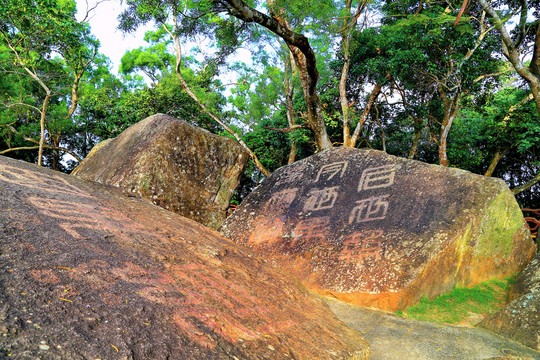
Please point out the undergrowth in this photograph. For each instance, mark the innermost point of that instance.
(457, 306)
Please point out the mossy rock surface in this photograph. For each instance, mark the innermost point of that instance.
(520, 319)
(381, 231)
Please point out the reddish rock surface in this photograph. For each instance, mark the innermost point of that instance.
(88, 273)
(520, 319)
(381, 231)
(180, 167)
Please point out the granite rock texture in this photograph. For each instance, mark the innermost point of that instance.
(180, 167)
(381, 231)
(520, 319)
(89, 273)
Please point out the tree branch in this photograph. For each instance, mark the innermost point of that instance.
(23, 104)
(285, 130)
(45, 147)
(527, 185)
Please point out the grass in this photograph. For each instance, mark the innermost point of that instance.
(462, 303)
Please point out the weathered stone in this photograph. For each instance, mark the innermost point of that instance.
(88, 273)
(180, 167)
(381, 231)
(520, 319)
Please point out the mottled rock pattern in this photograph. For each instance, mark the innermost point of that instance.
(520, 319)
(88, 273)
(381, 231)
(180, 167)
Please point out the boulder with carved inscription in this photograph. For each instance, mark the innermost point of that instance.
(89, 273)
(180, 167)
(381, 231)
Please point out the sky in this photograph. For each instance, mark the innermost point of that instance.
(104, 23)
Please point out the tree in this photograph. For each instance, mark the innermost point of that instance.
(425, 55)
(518, 42)
(43, 44)
(178, 19)
(304, 57)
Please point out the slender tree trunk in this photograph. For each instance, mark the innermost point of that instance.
(186, 88)
(416, 139)
(305, 63)
(289, 93)
(345, 49)
(345, 109)
(526, 186)
(372, 97)
(42, 125)
(56, 155)
(451, 107)
(443, 139)
(348, 28)
(495, 161)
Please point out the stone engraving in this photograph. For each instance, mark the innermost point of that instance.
(320, 199)
(377, 177)
(329, 171)
(373, 208)
(282, 199)
(310, 229)
(292, 175)
(362, 246)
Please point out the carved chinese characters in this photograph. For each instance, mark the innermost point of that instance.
(372, 228)
(327, 172)
(321, 199)
(377, 177)
(317, 201)
(373, 208)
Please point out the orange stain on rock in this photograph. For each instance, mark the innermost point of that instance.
(46, 276)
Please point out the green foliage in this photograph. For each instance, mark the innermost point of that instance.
(43, 50)
(484, 299)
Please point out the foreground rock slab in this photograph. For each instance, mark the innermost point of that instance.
(180, 167)
(520, 319)
(381, 231)
(88, 273)
(394, 338)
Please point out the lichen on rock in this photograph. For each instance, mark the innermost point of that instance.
(177, 166)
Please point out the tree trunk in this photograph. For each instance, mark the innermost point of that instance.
(496, 158)
(526, 186)
(305, 63)
(345, 48)
(56, 155)
(450, 111)
(416, 139)
(289, 93)
(42, 125)
(348, 28)
(372, 97)
(185, 87)
(313, 102)
(443, 140)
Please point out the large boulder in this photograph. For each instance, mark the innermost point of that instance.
(180, 167)
(88, 273)
(381, 231)
(520, 319)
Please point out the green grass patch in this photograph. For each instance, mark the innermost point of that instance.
(462, 303)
